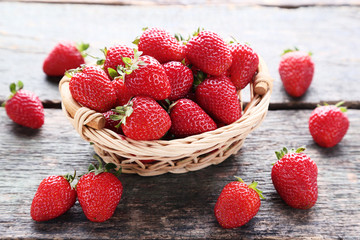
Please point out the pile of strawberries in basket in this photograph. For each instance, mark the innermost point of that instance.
(167, 84)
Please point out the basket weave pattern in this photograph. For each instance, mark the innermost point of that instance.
(175, 156)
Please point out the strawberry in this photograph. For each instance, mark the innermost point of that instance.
(148, 79)
(244, 64)
(92, 88)
(237, 204)
(114, 57)
(99, 192)
(208, 51)
(122, 93)
(111, 124)
(328, 124)
(294, 177)
(158, 43)
(64, 56)
(217, 96)
(181, 79)
(54, 197)
(296, 70)
(24, 107)
(187, 118)
(143, 119)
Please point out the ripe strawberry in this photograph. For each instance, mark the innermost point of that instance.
(122, 93)
(209, 52)
(158, 43)
(24, 107)
(296, 70)
(187, 118)
(217, 96)
(237, 204)
(92, 88)
(149, 79)
(99, 192)
(143, 119)
(328, 124)
(294, 177)
(244, 65)
(111, 124)
(114, 57)
(53, 198)
(64, 56)
(181, 79)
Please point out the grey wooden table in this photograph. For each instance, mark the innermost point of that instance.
(174, 206)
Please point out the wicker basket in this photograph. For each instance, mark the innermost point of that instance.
(178, 155)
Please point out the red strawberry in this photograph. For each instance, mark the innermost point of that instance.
(24, 107)
(187, 118)
(143, 119)
(64, 56)
(114, 57)
(158, 43)
(111, 124)
(296, 70)
(149, 79)
(122, 93)
(244, 65)
(237, 204)
(99, 192)
(294, 177)
(181, 79)
(209, 52)
(328, 124)
(53, 198)
(217, 96)
(93, 89)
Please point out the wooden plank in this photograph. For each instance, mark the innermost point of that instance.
(181, 206)
(330, 33)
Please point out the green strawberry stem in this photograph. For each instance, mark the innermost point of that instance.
(253, 186)
(108, 167)
(14, 87)
(280, 154)
(338, 105)
(295, 49)
(82, 47)
(130, 64)
(122, 112)
(70, 178)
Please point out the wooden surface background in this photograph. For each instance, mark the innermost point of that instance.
(181, 206)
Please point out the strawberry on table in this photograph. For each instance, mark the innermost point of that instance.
(24, 107)
(92, 88)
(217, 96)
(158, 43)
(244, 64)
(181, 79)
(187, 118)
(296, 71)
(64, 56)
(328, 124)
(237, 204)
(143, 119)
(209, 52)
(99, 192)
(294, 177)
(54, 197)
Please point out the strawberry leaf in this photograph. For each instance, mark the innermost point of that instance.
(113, 73)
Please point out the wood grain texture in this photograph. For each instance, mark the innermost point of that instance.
(331, 33)
(181, 206)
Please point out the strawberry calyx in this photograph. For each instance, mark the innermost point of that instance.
(70, 178)
(253, 186)
(70, 73)
(280, 154)
(122, 112)
(82, 47)
(130, 64)
(14, 88)
(295, 49)
(338, 105)
(100, 168)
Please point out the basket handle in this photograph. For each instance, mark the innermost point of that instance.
(263, 81)
(72, 107)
